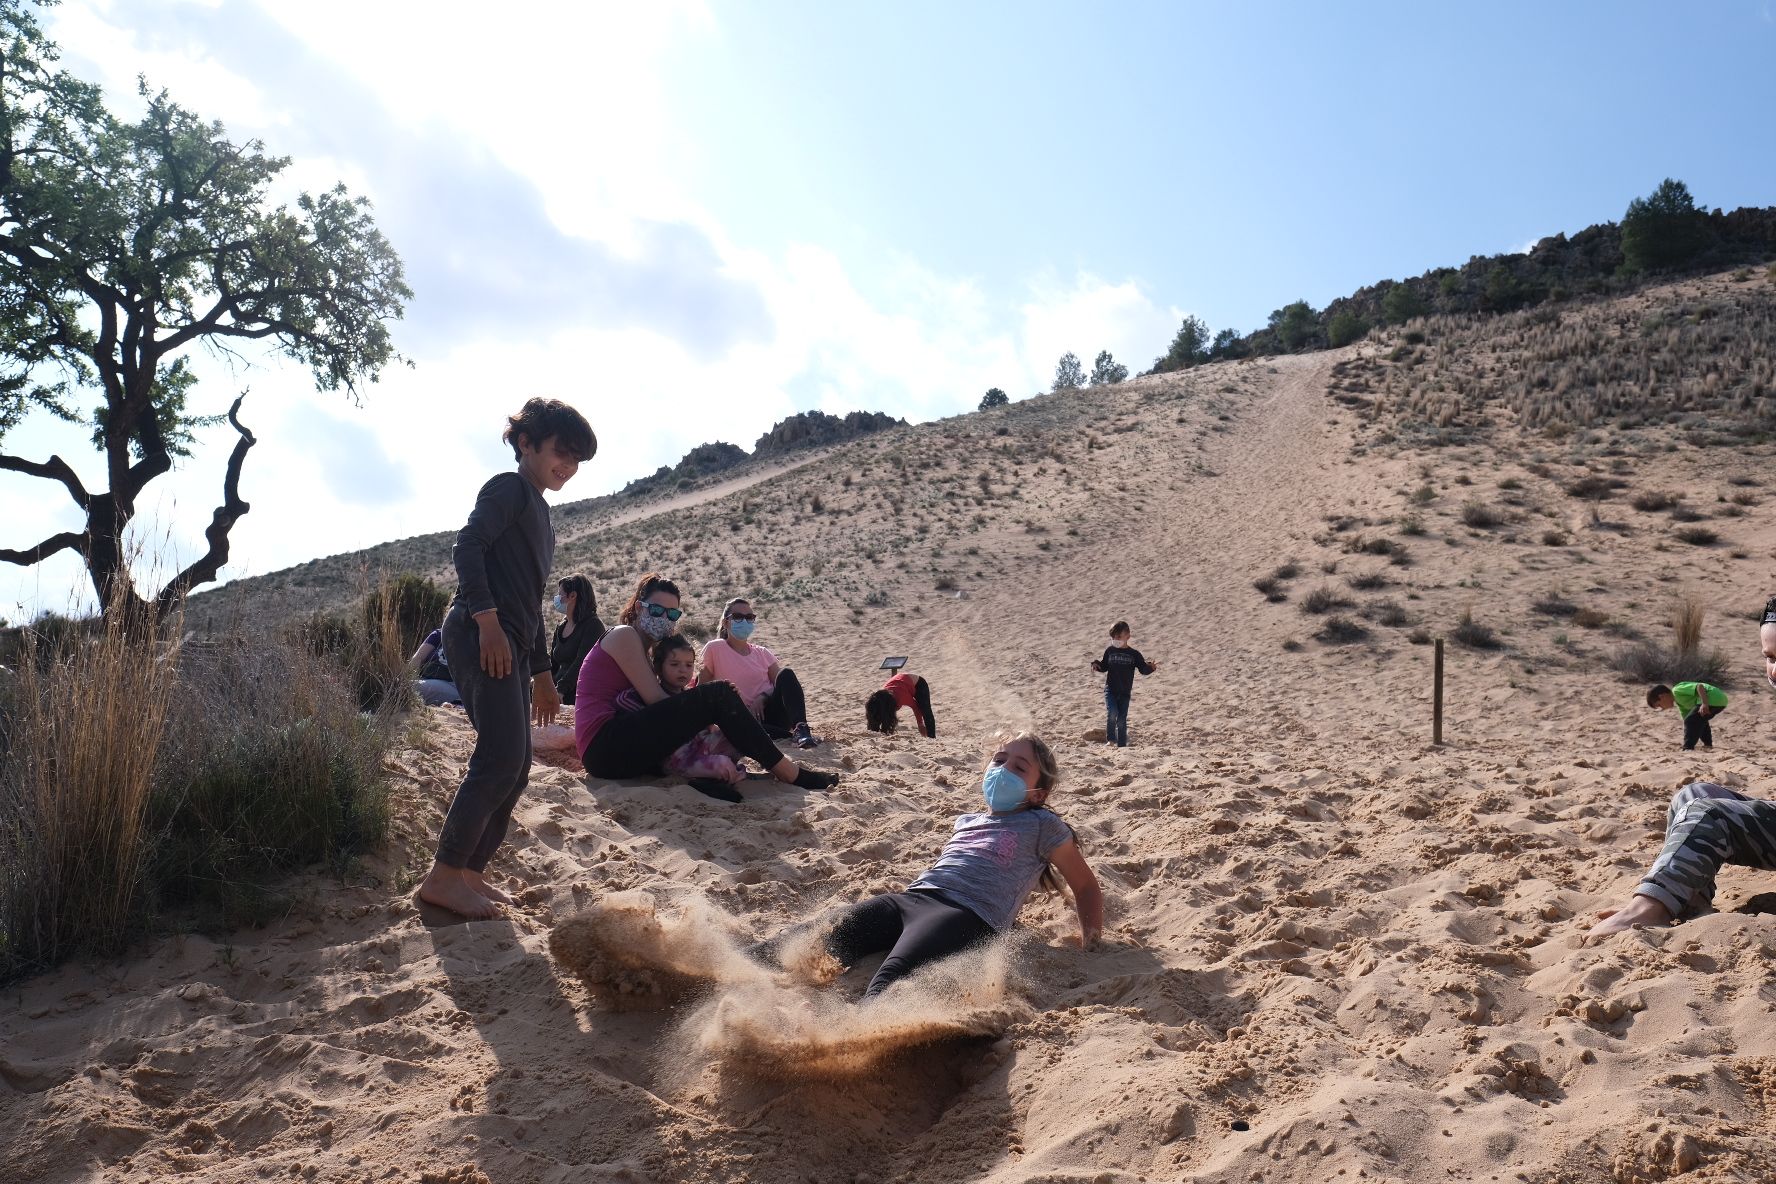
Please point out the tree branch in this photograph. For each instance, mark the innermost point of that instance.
(66, 541)
(53, 469)
(227, 514)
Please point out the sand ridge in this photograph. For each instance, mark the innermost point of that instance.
(1359, 949)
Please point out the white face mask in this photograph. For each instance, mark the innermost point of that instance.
(1121, 643)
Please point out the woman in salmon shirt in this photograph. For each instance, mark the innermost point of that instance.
(770, 688)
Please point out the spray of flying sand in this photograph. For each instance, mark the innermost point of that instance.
(786, 1024)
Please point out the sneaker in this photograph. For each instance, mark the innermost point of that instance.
(803, 739)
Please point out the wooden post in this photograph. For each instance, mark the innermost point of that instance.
(1437, 696)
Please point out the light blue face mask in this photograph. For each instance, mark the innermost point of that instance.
(1004, 790)
(560, 604)
(741, 629)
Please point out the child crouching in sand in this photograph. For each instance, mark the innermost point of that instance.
(978, 884)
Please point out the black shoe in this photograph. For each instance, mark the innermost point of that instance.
(716, 788)
(815, 779)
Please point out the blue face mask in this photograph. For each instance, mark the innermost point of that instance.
(741, 629)
(560, 604)
(1004, 790)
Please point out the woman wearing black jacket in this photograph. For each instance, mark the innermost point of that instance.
(575, 636)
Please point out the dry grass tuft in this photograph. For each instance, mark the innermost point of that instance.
(81, 730)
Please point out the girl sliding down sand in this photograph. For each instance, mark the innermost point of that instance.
(975, 889)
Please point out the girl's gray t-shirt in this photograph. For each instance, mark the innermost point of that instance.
(993, 860)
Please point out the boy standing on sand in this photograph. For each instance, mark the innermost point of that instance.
(499, 654)
(1118, 666)
(1697, 702)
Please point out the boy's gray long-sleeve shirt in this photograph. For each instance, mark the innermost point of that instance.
(503, 557)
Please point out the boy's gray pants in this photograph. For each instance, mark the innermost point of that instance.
(1708, 825)
(499, 768)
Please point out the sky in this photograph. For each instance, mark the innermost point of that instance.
(693, 219)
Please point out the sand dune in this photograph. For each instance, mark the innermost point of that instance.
(1333, 951)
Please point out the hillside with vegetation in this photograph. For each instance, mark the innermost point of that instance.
(1329, 941)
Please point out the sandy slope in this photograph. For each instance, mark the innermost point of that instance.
(1360, 949)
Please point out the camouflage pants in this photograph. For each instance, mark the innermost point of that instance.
(1708, 825)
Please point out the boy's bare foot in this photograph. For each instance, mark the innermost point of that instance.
(479, 883)
(1641, 910)
(449, 888)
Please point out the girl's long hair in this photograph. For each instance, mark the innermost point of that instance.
(721, 628)
(881, 712)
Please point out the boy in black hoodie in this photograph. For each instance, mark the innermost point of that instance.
(1118, 666)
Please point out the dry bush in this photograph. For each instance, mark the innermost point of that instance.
(1340, 631)
(140, 772)
(1386, 612)
(1648, 662)
(1473, 634)
(1480, 516)
(1368, 581)
(1272, 589)
(1653, 500)
(1698, 536)
(1687, 616)
(1324, 599)
(1590, 618)
(267, 765)
(80, 730)
(1555, 605)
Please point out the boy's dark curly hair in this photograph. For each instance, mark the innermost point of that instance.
(541, 418)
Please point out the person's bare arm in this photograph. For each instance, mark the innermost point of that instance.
(624, 646)
(1088, 898)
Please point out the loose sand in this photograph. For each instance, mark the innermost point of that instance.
(1333, 952)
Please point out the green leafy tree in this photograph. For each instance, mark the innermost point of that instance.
(1663, 230)
(1345, 327)
(1294, 325)
(1227, 344)
(125, 245)
(1190, 347)
(1107, 371)
(1401, 304)
(994, 398)
(1069, 374)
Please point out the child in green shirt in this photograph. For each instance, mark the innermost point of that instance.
(1697, 702)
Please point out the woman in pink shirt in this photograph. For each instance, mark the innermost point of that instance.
(770, 689)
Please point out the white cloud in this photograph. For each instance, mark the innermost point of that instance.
(327, 477)
(1088, 315)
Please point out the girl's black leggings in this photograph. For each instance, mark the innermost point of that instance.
(915, 927)
(922, 706)
(636, 743)
(785, 706)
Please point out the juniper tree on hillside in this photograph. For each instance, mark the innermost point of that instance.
(1069, 374)
(1107, 371)
(124, 245)
(1663, 229)
(1190, 347)
(994, 398)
